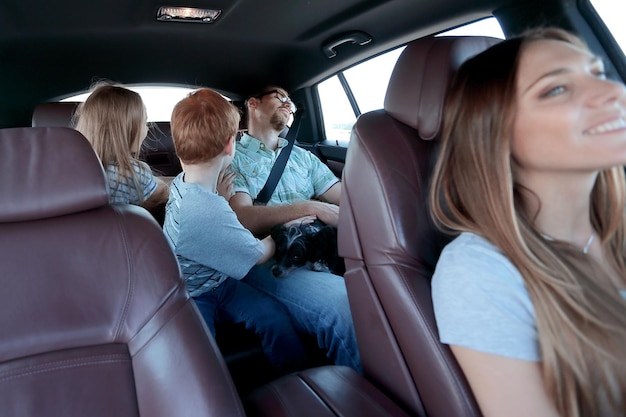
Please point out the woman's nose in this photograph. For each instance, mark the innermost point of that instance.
(607, 91)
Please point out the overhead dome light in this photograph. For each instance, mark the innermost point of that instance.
(187, 14)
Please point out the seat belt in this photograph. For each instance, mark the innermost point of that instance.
(279, 165)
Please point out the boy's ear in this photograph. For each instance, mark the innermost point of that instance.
(230, 145)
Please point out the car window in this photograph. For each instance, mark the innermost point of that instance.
(159, 100)
(366, 84)
(610, 11)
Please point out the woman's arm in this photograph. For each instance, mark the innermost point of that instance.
(505, 386)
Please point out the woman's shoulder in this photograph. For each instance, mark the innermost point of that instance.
(481, 302)
(476, 261)
(473, 247)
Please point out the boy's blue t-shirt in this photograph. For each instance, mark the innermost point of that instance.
(208, 240)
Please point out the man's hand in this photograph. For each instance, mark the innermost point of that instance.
(260, 219)
(301, 220)
(326, 212)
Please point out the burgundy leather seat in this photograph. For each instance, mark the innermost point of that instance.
(54, 114)
(94, 316)
(158, 150)
(388, 241)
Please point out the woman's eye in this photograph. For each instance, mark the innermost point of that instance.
(600, 74)
(554, 91)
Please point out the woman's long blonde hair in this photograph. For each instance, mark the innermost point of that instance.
(113, 119)
(580, 315)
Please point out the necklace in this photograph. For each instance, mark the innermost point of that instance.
(589, 241)
(587, 245)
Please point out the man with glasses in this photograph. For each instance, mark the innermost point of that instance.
(317, 301)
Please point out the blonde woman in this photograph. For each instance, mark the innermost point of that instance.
(114, 120)
(530, 295)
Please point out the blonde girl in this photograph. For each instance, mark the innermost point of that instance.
(114, 120)
(530, 295)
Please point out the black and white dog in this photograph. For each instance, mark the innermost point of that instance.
(313, 244)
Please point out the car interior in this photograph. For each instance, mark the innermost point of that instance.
(95, 316)
(116, 331)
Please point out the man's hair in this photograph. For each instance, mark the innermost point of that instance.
(202, 124)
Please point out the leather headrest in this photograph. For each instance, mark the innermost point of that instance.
(48, 172)
(54, 114)
(418, 83)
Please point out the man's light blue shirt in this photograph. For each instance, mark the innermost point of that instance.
(305, 176)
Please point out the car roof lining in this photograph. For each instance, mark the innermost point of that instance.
(49, 51)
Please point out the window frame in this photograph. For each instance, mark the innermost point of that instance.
(462, 30)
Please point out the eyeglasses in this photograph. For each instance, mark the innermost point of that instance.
(281, 97)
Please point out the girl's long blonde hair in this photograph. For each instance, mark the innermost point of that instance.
(113, 119)
(580, 315)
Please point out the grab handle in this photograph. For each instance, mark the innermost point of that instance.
(360, 38)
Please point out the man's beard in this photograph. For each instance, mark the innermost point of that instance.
(279, 121)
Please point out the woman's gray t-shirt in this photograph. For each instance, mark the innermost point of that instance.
(481, 301)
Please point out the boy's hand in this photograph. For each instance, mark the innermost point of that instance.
(225, 183)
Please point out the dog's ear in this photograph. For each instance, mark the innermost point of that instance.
(332, 258)
(314, 247)
(277, 230)
(327, 235)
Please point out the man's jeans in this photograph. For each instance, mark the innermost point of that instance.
(318, 305)
(236, 302)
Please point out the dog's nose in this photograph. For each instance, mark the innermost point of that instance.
(277, 271)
